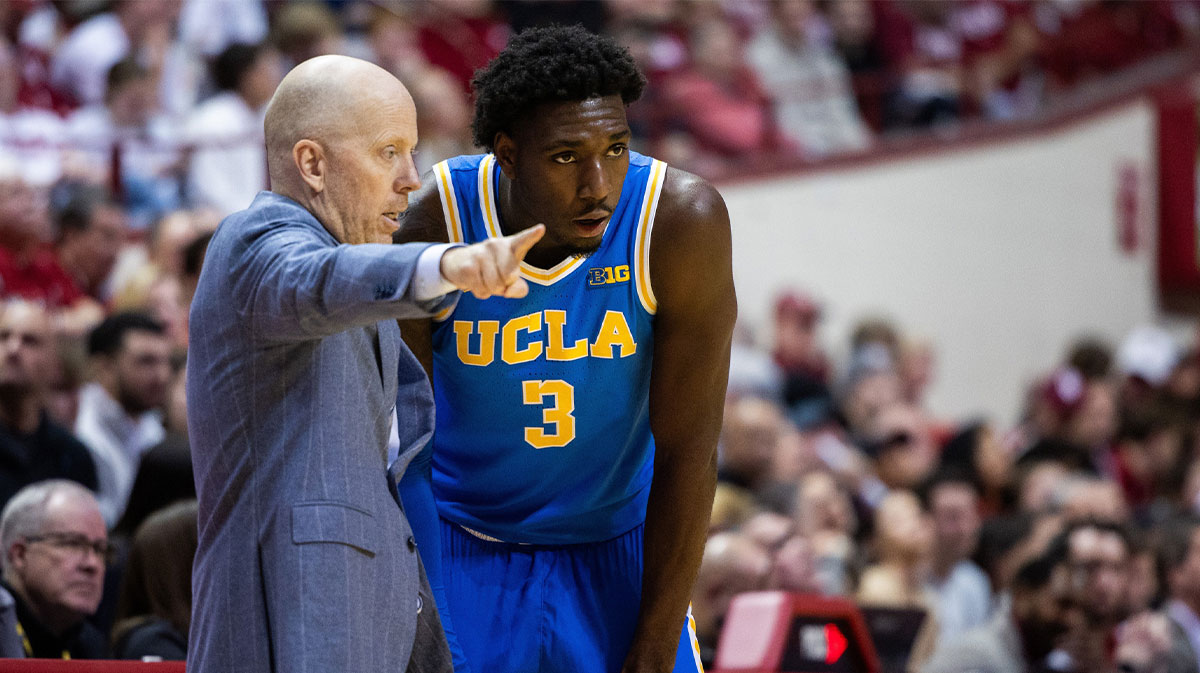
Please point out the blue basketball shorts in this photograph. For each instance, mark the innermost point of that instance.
(570, 609)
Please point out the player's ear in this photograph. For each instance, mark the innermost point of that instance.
(505, 151)
(310, 161)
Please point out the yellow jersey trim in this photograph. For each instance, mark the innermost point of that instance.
(645, 291)
(449, 202)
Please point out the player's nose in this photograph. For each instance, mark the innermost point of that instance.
(594, 183)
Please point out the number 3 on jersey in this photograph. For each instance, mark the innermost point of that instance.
(557, 414)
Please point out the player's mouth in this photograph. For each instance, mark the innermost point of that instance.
(591, 224)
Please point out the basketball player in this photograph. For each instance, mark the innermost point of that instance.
(574, 459)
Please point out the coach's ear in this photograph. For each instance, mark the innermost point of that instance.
(506, 152)
(310, 162)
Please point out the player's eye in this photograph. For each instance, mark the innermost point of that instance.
(565, 158)
(617, 150)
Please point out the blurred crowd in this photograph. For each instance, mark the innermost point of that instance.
(129, 128)
(163, 100)
(1067, 541)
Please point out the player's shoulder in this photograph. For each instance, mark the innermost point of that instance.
(691, 214)
(690, 201)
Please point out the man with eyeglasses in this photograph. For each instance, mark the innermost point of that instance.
(55, 550)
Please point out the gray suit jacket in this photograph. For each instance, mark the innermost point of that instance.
(305, 562)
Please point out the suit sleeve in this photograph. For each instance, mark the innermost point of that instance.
(292, 286)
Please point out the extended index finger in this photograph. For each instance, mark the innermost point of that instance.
(522, 241)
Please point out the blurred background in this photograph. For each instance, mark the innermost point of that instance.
(966, 253)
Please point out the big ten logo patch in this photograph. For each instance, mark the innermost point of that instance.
(599, 276)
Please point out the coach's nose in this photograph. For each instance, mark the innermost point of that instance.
(407, 178)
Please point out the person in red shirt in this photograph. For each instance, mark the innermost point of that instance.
(29, 266)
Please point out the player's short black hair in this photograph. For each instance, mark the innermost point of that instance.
(108, 337)
(549, 64)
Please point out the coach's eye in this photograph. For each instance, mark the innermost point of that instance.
(389, 152)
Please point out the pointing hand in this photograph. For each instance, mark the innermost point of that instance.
(491, 267)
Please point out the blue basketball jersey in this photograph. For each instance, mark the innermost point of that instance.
(543, 432)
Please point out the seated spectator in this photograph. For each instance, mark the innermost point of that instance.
(1023, 631)
(303, 30)
(975, 452)
(797, 350)
(461, 37)
(91, 230)
(732, 564)
(718, 103)
(808, 84)
(900, 445)
(120, 415)
(228, 164)
(55, 547)
(28, 266)
(126, 141)
(963, 594)
(154, 610)
(1180, 551)
(749, 438)
(1098, 556)
(856, 37)
(160, 295)
(30, 137)
(443, 118)
(82, 60)
(1083, 496)
(903, 547)
(32, 447)
(208, 26)
(932, 81)
(825, 517)
(164, 475)
(868, 385)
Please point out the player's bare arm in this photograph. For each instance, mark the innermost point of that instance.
(692, 277)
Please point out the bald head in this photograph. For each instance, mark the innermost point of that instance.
(326, 99)
(340, 136)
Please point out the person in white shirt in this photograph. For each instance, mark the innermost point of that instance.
(809, 84)
(228, 164)
(80, 64)
(128, 131)
(120, 415)
(29, 137)
(962, 590)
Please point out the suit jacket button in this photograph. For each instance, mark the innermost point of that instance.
(412, 544)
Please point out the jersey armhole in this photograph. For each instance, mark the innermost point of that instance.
(645, 229)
